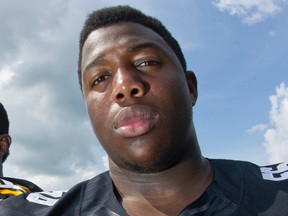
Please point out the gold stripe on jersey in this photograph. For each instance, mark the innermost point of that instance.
(10, 192)
(10, 187)
(24, 188)
(7, 188)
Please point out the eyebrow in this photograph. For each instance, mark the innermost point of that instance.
(141, 46)
(95, 61)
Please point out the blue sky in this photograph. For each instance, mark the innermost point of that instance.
(238, 50)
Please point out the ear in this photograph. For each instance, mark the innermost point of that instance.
(5, 142)
(192, 85)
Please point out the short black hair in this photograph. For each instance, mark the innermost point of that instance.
(4, 126)
(114, 14)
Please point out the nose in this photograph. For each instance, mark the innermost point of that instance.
(127, 84)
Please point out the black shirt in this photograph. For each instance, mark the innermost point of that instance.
(238, 189)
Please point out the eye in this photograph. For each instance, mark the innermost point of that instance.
(148, 63)
(100, 79)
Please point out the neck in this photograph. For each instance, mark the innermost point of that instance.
(1, 169)
(166, 192)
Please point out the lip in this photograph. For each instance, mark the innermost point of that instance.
(135, 121)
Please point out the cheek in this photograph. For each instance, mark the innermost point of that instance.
(96, 109)
(172, 92)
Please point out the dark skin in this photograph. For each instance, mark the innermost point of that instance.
(140, 102)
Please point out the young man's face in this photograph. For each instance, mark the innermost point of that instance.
(137, 96)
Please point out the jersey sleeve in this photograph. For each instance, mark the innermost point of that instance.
(13, 187)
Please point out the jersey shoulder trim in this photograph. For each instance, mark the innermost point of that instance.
(275, 172)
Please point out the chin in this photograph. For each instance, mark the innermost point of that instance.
(155, 165)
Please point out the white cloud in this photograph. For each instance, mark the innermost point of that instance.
(276, 136)
(250, 11)
(7, 73)
(56, 181)
(257, 128)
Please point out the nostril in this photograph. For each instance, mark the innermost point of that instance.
(120, 96)
(134, 91)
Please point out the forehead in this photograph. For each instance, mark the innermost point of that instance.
(118, 34)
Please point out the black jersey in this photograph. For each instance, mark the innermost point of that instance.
(13, 187)
(238, 189)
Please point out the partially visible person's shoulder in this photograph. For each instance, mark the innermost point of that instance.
(13, 187)
(95, 189)
(28, 186)
(50, 203)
